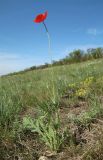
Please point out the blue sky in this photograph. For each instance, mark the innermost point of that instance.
(72, 24)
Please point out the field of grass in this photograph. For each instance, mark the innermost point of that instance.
(56, 113)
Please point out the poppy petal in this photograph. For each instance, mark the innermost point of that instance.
(41, 17)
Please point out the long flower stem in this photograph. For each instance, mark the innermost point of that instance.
(50, 53)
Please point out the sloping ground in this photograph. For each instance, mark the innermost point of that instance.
(80, 110)
(85, 140)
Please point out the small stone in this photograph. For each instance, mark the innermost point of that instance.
(43, 158)
(50, 154)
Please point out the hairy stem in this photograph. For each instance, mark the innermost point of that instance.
(50, 54)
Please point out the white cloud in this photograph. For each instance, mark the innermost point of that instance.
(15, 62)
(94, 31)
(6, 56)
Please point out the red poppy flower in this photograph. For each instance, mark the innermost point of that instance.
(41, 17)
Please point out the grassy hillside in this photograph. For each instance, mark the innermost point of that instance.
(56, 112)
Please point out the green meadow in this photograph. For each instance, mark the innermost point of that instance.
(55, 112)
